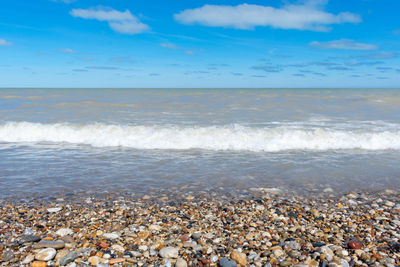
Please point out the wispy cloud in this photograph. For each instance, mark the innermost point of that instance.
(169, 45)
(345, 44)
(126, 59)
(5, 43)
(122, 22)
(307, 16)
(189, 52)
(268, 68)
(102, 68)
(363, 63)
(67, 50)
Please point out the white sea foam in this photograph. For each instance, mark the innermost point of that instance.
(231, 137)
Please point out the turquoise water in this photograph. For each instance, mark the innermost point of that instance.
(148, 139)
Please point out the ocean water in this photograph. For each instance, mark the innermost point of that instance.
(144, 140)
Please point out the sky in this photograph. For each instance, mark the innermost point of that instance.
(196, 43)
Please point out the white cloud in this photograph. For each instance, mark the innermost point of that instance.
(68, 51)
(169, 45)
(307, 16)
(123, 22)
(5, 43)
(344, 44)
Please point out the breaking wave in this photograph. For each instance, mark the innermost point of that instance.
(230, 137)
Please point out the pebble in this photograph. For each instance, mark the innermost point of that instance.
(111, 235)
(64, 232)
(29, 238)
(225, 262)
(389, 204)
(70, 257)
(180, 263)
(28, 259)
(38, 264)
(169, 252)
(46, 254)
(8, 255)
(49, 244)
(239, 257)
(53, 210)
(94, 260)
(355, 245)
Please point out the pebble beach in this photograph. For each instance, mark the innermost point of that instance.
(268, 227)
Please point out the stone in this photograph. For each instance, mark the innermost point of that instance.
(225, 262)
(38, 264)
(70, 257)
(181, 263)
(64, 232)
(118, 248)
(53, 210)
(155, 227)
(143, 248)
(28, 239)
(8, 255)
(94, 260)
(196, 235)
(116, 261)
(111, 235)
(327, 251)
(144, 234)
(389, 204)
(169, 252)
(50, 244)
(239, 257)
(355, 245)
(28, 259)
(46, 254)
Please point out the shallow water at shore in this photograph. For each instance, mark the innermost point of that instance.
(144, 140)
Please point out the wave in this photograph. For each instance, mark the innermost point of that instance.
(230, 137)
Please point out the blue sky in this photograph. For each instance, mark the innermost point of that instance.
(154, 43)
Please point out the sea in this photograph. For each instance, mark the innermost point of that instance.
(147, 140)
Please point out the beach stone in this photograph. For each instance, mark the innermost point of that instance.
(64, 232)
(239, 257)
(8, 255)
(143, 248)
(355, 245)
(181, 263)
(118, 248)
(70, 257)
(214, 258)
(38, 264)
(111, 235)
(277, 251)
(46, 254)
(144, 234)
(50, 244)
(327, 251)
(225, 262)
(389, 204)
(155, 227)
(94, 260)
(116, 261)
(28, 239)
(53, 210)
(169, 252)
(196, 235)
(28, 259)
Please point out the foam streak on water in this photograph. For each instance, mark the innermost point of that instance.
(216, 138)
